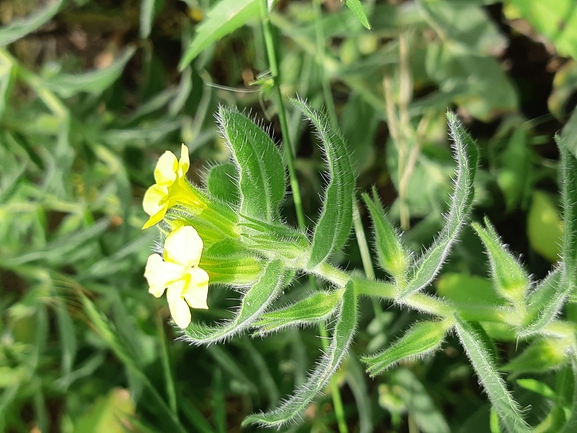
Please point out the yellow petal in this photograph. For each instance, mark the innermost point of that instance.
(180, 312)
(184, 162)
(154, 274)
(166, 169)
(183, 246)
(197, 290)
(153, 197)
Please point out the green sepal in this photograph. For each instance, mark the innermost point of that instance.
(254, 302)
(541, 355)
(474, 341)
(336, 218)
(421, 339)
(274, 240)
(261, 173)
(341, 339)
(316, 308)
(510, 280)
(393, 257)
(429, 264)
(227, 262)
(222, 183)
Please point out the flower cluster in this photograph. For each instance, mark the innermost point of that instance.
(177, 271)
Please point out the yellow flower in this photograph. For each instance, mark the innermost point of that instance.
(170, 186)
(177, 271)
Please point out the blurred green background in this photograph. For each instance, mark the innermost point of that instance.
(91, 94)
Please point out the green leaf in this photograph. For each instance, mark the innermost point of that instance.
(222, 183)
(253, 303)
(261, 174)
(463, 288)
(341, 339)
(224, 18)
(358, 11)
(423, 338)
(95, 82)
(557, 21)
(393, 257)
(110, 413)
(20, 28)
(408, 388)
(316, 308)
(544, 303)
(511, 281)
(8, 75)
(544, 227)
(482, 360)
(464, 25)
(515, 177)
(541, 355)
(430, 263)
(336, 218)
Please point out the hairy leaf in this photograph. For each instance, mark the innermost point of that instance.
(313, 309)
(430, 263)
(253, 303)
(261, 174)
(336, 218)
(341, 339)
(423, 338)
(482, 360)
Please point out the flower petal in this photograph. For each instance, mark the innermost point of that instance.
(197, 290)
(166, 169)
(180, 312)
(154, 274)
(184, 162)
(183, 246)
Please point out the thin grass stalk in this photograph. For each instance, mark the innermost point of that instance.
(287, 146)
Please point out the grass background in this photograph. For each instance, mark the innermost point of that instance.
(89, 101)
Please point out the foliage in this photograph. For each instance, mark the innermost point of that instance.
(91, 95)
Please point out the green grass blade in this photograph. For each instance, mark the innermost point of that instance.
(95, 82)
(336, 218)
(224, 18)
(318, 380)
(316, 308)
(254, 302)
(430, 263)
(482, 361)
(148, 10)
(20, 28)
(357, 9)
(261, 174)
